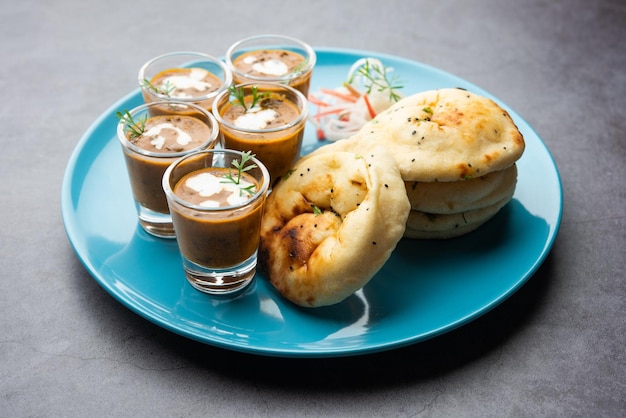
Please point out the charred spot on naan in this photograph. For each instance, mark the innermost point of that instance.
(304, 233)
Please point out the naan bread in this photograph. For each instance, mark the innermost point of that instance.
(464, 195)
(446, 135)
(331, 224)
(421, 225)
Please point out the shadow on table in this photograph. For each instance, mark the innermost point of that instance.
(429, 358)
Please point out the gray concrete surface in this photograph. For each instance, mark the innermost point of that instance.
(556, 348)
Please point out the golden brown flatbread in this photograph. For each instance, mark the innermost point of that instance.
(421, 225)
(446, 135)
(331, 224)
(463, 195)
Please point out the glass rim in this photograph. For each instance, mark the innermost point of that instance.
(169, 192)
(213, 138)
(310, 52)
(226, 82)
(273, 87)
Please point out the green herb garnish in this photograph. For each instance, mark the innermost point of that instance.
(165, 89)
(316, 211)
(288, 174)
(301, 66)
(136, 128)
(240, 96)
(241, 168)
(378, 78)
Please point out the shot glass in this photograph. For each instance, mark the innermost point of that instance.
(267, 119)
(272, 59)
(185, 77)
(150, 144)
(217, 209)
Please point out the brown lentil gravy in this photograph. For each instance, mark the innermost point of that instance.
(186, 82)
(286, 110)
(145, 172)
(222, 239)
(225, 188)
(246, 62)
(170, 133)
(278, 149)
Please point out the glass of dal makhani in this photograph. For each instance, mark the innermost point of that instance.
(272, 59)
(187, 77)
(267, 119)
(216, 198)
(150, 144)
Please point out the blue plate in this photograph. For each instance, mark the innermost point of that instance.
(425, 289)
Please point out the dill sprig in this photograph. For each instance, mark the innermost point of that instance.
(136, 128)
(165, 89)
(241, 168)
(240, 96)
(378, 77)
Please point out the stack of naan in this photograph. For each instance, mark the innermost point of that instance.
(437, 164)
(456, 152)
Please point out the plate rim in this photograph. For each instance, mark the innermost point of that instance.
(73, 235)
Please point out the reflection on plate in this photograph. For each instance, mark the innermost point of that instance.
(425, 289)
